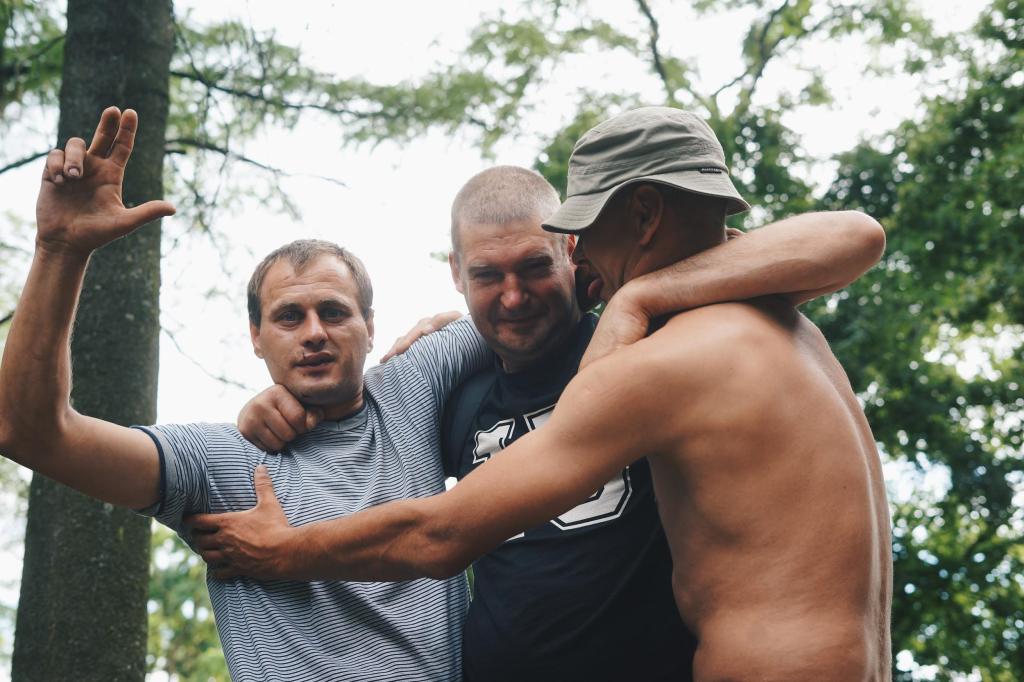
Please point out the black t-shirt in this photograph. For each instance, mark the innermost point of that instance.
(586, 596)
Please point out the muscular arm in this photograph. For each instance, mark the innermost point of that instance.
(76, 213)
(587, 440)
(800, 258)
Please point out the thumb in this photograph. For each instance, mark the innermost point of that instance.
(148, 212)
(314, 416)
(264, 487)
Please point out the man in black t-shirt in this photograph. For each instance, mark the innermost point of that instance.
(587, 595)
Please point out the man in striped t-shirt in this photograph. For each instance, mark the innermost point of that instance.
(311, 321)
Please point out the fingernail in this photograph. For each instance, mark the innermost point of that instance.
(74, 172)
(58, 179)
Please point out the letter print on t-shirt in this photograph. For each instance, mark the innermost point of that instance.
(606, 503)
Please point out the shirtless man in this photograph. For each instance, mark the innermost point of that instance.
(769, 486)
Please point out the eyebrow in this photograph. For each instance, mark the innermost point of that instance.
(292, 305)
(333, 302)
(536, 260)
(529, 261)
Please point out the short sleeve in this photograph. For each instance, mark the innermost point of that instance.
(448, 357)
(184, 484)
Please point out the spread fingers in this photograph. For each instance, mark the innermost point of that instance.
(105, 132)
(125, 138)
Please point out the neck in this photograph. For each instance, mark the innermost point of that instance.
(675, 246)
(341, 410)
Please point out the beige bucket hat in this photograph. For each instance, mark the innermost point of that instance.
(652, 144)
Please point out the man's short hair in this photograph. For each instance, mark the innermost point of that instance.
(299, 254)
(501, 195)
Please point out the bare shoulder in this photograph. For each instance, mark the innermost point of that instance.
(731, 337)
(727, 351)
(729, 360)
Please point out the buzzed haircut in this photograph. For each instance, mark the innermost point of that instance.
(501, 195)
(299, 254)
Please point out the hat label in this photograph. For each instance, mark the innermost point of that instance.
(709, 170)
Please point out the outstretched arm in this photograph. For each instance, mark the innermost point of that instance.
(800, 258)
(439, 536)
(79, 209)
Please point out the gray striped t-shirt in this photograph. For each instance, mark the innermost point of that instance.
(282, 630)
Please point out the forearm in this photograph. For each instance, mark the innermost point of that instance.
(394, 541)
(35, 374)
(802, 257)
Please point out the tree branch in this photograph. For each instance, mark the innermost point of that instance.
(196, 76)
(13, 69)
(6, 318)
(756, 69)
(208, 146)
(217, 377)
(21, 162)
(659, 67)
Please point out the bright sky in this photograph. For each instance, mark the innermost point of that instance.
(394, 211)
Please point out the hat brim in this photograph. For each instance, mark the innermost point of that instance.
(579, 212)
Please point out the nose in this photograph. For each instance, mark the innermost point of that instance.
(313, 333)
(512, 294)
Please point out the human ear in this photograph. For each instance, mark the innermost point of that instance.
(647, 206)
(453, 264)
(254, 335)
(369, 331)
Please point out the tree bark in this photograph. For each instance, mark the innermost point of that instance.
(82, 610)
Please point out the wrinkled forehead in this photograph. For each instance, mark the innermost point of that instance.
(326, 277)
(507, 244)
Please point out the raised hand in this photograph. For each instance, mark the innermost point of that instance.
(80, 206)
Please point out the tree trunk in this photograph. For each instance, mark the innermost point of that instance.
(82, 610)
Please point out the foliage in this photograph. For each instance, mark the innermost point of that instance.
(31, 53)
(183, 639)
(934, 339)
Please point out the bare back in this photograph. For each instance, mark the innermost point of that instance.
(774, 504)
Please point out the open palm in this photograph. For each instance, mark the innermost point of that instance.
(80, 206)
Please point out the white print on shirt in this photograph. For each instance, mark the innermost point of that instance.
(606, 504)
